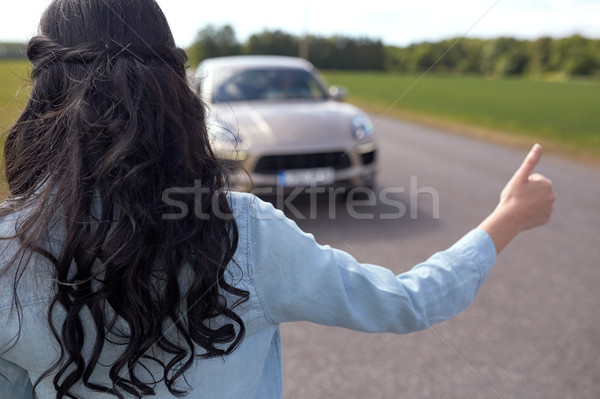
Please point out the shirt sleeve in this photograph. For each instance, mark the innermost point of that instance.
(298, 279)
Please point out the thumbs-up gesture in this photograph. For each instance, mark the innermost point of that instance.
(525, 202)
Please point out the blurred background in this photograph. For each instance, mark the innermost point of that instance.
(457, 92)
(484, 61)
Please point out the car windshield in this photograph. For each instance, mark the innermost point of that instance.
(265, 84)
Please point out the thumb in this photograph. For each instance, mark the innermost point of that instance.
(531, 160)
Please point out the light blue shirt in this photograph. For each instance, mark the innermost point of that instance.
(290, 277)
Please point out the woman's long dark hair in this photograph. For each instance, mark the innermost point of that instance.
(111, 124)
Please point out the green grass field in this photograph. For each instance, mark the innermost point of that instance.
(562, 115)
(13, 90)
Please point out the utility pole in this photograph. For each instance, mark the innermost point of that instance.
(303, 45)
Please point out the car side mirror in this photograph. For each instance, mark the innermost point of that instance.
(338, 93)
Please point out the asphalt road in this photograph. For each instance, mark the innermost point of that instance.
(532, 332)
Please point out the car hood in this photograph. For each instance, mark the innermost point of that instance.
(291, 126)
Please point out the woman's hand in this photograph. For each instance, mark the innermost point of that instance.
(525, 202)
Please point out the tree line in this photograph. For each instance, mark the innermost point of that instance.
(336, 52)
(12, 50)
(504, 56)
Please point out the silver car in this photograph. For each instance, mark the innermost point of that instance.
(276, 118)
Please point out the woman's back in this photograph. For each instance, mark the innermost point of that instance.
(36, 350)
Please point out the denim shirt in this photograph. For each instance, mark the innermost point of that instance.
(290, 277)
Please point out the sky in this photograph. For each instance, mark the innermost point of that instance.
(395, 22)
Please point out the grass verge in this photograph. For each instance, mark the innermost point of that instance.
(562, 116)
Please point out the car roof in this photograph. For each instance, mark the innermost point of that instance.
(256, 61)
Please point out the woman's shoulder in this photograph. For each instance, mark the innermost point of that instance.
(14, 210)
(8, 216)
(246, 206)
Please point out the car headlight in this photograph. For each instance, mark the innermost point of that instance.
(362, 127)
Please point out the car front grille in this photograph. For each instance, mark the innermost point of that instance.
(273, 164)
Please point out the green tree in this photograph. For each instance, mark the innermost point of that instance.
(213, 41)
(448, 54)
(470, 62)
(504, 56)
(580, 59)
(575, 55)
(274, 42)
(371, 54)
(319, 51)
(539, 56)
(395, 59)
(13, 50)
(422, 57)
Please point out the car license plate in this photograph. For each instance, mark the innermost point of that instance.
(306, 177)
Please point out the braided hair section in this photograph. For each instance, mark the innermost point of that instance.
(42, 51)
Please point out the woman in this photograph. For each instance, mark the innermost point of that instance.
(103, 296)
